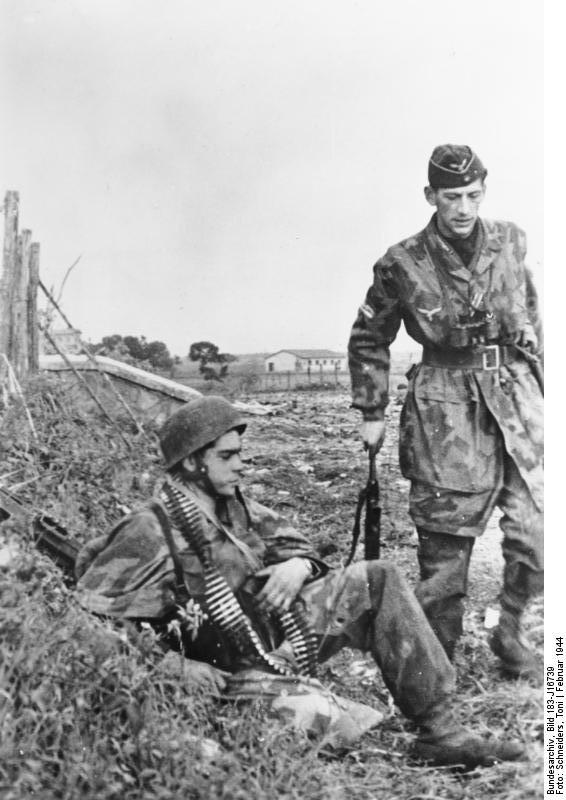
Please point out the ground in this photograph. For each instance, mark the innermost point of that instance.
(127, 730)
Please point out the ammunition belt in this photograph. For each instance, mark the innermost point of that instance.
(222, 604)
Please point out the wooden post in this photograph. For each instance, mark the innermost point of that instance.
(288, 379)
(33, 338)
(11, 203)
(18, 293)
(19, 348)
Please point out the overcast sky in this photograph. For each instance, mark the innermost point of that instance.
(231, 170)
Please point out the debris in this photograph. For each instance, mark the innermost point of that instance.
(491, 618)
(207, 749)
(259, 409)
(8, 553)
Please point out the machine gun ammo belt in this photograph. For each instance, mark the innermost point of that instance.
(222, 604)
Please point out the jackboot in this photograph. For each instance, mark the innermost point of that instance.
(508, 643)
(444, 741)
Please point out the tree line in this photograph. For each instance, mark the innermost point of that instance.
(155, 355)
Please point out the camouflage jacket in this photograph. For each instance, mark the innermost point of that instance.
(129, 572)
(447, 425)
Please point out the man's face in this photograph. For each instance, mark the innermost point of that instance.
(457, 209)
(224, 464)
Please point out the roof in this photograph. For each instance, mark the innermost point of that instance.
(310, 353)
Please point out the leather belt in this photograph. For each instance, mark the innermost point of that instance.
(487, 357)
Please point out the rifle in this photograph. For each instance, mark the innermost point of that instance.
(49, 536)
(368, 498)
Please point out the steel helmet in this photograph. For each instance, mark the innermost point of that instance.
(196, 424)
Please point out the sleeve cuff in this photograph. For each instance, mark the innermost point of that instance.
(317, 568)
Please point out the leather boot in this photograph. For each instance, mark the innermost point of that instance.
(508, 643)
(443, 741)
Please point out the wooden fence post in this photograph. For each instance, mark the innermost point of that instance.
(9, 256)
(18, 293)
(33, 337)
(19, 349)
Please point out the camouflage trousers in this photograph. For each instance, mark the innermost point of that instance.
(370, 606)
(448, 522)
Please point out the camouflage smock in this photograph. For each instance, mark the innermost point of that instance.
(129, 572)
(455, 422)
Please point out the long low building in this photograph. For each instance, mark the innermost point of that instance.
(305, 360)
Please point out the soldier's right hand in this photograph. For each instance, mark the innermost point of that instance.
(372, 432)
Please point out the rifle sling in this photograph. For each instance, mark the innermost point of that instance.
(181, 591)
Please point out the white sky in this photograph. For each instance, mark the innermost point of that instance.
(231, 170)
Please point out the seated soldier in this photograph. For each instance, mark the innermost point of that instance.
(202, 537)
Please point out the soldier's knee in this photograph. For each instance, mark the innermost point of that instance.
(384, 572)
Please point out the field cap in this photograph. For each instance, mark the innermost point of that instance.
(452, 165)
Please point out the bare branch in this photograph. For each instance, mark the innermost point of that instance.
(73, 265)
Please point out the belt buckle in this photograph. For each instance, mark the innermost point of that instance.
(490, 357)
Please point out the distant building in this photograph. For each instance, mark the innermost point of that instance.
(68, 340)
(305, 360)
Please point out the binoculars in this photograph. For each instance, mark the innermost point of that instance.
(479, 328)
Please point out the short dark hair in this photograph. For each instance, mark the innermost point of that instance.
(179, 470)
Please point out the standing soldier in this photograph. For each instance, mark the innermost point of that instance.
(471, 425)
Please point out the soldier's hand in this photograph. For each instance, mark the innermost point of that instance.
(373, 433)
(528, 340)
(283, 583)
(204, 677)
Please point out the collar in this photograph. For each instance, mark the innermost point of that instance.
(207, 505)
(466, 248)
(205, 500)
(491, 242)
(216, 506)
